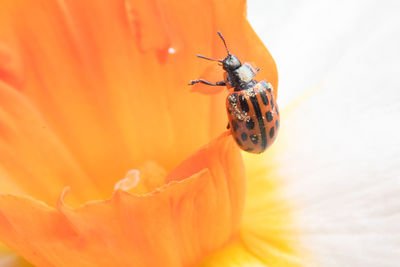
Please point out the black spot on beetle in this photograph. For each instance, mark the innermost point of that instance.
(264, 98)
(235, 125)
(250, 124)
(243, 104)
(271, 132)
(269, 88)
(244, 136)
(254, 139)
(269, 116)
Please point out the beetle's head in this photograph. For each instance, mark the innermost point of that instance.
(231, 63)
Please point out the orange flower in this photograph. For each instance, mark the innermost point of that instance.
(92, 90)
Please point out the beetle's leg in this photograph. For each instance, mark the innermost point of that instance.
(228, 126)
(221, 83)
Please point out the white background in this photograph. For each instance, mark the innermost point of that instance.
(342, 162)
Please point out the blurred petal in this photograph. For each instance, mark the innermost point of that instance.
(269, 230)
(31, 152)
(196, 213)
(235, 254)
(269, 233)
(101, 78)
(9, 258)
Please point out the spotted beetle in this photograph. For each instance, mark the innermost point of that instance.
(253, 114)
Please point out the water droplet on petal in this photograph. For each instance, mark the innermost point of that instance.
(171, 50)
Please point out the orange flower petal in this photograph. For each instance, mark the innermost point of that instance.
(33, 160)
(178, 224)
(100, 75)
(90, 91)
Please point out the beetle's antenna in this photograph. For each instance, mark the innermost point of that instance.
(223, 40)
(212, 59)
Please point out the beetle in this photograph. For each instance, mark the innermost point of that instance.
(253, 115)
